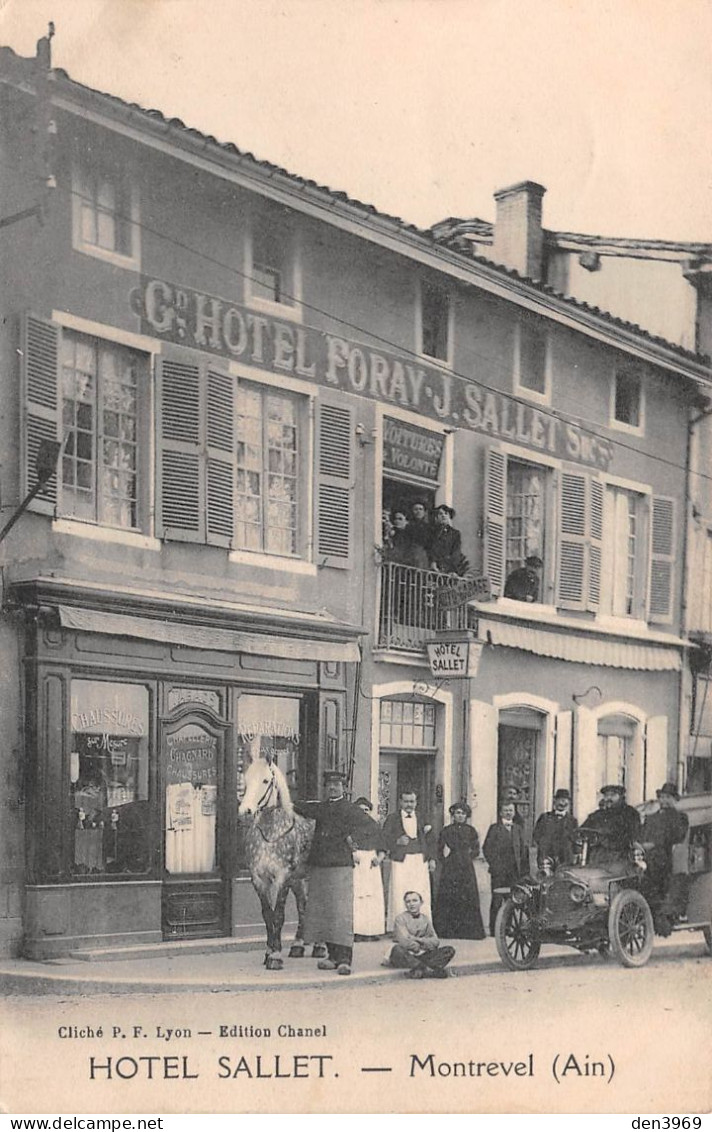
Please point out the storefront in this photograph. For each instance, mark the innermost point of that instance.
(139, 728)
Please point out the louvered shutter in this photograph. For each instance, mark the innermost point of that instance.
(595, 525)
(221, 458)
(333, 491)
(573, 532)
(180, 459)
(40, 397)
(495, 518)
(662, 545)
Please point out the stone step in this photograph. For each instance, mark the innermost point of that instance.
(166, 949)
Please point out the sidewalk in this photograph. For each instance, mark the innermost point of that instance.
(216, 968)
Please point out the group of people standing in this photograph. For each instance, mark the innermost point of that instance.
(346, 888)
(413, 536)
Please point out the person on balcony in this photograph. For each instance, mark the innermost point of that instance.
(421, 529)
(524, 584)
(445, 547)
(403, 548)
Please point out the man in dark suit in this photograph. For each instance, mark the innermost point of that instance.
(506, 854)
(617, 824)
(409, 844)
(555, 832)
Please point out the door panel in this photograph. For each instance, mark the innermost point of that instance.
(517, 767)
(198, 825)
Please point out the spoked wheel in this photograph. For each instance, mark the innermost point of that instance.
(630, 928)
(513, 935)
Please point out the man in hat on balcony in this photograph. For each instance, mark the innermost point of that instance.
(555, 832)
(663, 827)
(340, 829)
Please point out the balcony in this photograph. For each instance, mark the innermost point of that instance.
(416, 605)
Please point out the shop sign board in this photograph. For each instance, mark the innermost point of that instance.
(458, 593)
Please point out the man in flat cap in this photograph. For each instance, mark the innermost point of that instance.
(555, 833)
(663, 827)
(616, 822)
(340, 828)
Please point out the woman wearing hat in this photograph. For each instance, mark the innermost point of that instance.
(445, 547)
(369, 903)
(457, 907)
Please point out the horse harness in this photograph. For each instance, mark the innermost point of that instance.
(261, 805)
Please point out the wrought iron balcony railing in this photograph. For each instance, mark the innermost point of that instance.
(416, 605)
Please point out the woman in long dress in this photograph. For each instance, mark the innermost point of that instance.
(457, 908)
(369, 903)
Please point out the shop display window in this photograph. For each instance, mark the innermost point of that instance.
(109, 777)
(268, 727)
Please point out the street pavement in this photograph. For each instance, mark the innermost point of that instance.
(486, 1040)
(162, 969)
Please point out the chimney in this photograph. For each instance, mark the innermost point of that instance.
(518, 235)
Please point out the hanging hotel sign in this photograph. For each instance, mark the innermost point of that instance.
(450, 659)
(412, 450)
(459, 591)
(219, 326)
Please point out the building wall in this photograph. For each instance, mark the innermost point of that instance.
(194, 233)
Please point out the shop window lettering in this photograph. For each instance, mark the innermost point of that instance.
(109, 778)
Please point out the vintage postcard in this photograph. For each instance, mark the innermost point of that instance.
(356, 557)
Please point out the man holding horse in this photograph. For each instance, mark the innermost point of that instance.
(340, 825)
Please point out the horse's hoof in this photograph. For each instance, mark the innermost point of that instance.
(319, 951)
(296, 951)
(274, 963)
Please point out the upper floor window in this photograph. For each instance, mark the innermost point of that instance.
(531, 364)
(105, 212)
(625, 553)
(435, 322)
(272, 268)
(101, 387)
(526, 549)
(268, 455)
(627, 409)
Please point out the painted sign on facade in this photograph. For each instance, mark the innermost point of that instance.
(222, 327)
(412, 450)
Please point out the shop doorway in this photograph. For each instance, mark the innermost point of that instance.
(620, 755)
(405, 772)
(198, 824)
(520, 742)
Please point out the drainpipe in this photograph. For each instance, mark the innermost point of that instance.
(685, 688)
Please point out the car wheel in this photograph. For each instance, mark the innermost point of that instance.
(630, 928)
(513, 935)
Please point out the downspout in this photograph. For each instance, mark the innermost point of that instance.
(684, 628)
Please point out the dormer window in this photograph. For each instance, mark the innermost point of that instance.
(105, 212)
(272, 271)
(531, 362)
(435, 322)
(627, 400)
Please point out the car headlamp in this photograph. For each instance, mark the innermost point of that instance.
(578, 893)
(520, 895)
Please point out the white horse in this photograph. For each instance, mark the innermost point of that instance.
(277, 846)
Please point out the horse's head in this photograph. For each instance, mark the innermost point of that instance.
(265, 787)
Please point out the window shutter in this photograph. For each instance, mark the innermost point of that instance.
(495, 518)
(662, 545)
(572, 541)
(333, 493)
(220, 469)
(595, 542)
(180, 459)
(656, 754)
(40, 396)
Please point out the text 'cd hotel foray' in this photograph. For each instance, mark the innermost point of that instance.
(245, 371)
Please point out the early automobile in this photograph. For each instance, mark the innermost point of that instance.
(610, 906)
